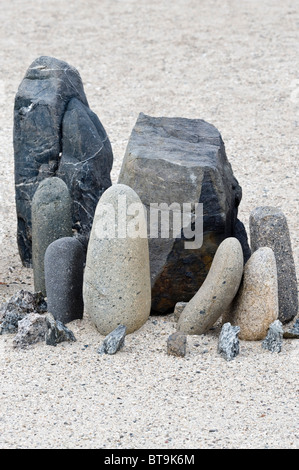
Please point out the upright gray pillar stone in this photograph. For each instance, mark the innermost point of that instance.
(51, 219)
(269, 227)
(64, 265)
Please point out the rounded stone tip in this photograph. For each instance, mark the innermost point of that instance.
(51, 189)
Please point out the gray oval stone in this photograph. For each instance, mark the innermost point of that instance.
(217, 291)
(116, 287)
(51, 219)
(64, 264)
(255, 306)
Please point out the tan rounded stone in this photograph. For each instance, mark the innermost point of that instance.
(117, 288)
(255, 306)
(217, 291)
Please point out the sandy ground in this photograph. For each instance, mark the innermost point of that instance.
(234, 64)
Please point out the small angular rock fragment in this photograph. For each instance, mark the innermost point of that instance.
(19, 305)
(273, 340)
(179, 307)
(176, 344)
(57, 332)
(292, 332)
(31, 329)
(228, 344)
(114, 341)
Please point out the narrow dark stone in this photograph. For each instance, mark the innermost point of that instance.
(64, 265)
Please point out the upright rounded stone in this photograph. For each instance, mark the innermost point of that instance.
(217, 291)
(51, 219)
(269, 227)
(116, 288)
(64, 263)
(255, 306)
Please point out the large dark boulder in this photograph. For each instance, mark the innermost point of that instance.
(178, 160)
(49, 88)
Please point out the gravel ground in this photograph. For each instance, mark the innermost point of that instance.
(234, 64)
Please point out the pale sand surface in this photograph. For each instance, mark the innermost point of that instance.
(234, 64)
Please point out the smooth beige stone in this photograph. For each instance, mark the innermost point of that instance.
(217, 291)
(117, 287)
(255, 306)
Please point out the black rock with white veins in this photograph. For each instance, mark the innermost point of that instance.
(53, 127)
(228, 343)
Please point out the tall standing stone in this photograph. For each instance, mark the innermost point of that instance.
(51, 219)
(178, 160)
(44, 132)
(269, 227)
(116, 288)
(64, 265)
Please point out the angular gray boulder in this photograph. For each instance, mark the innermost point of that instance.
(178, 160)
(42, 140)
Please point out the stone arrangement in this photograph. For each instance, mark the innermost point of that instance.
(85, 261)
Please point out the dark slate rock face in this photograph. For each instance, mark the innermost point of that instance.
(85, 163)
(269, 227)
(182, 160)
(64, 264)
(40, 105)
